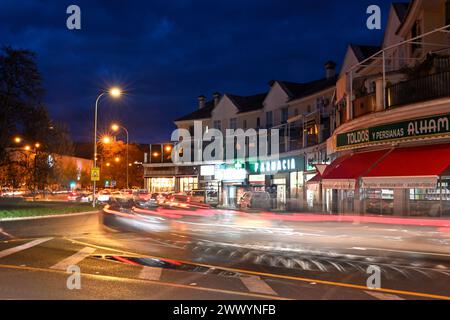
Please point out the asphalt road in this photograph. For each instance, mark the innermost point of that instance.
(219, 255)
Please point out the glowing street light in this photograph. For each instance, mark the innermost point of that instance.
(17, 139)
(115, 93)
(27, 148)
(106, 140)
(37, 145)
(117, 159)
(108, 164)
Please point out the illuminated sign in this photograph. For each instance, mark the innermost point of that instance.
(230, 174)
(280, 165)
(207, 170)
(406, 130)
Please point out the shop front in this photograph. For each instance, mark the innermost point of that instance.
(282, 178)
(170, 179)
(232, 180)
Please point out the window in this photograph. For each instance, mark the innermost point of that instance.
(233, 123)
(296, 112)
(415, 32)
(284, 115)
(447, 12)
(269, 119)
(258, 123)
(217, 125)
(245, 124)
(308, 109)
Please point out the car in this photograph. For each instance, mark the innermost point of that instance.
(86, 197)
(178, 200)
(103, 196)
(198, 196)
(255, 200)
(73, 196)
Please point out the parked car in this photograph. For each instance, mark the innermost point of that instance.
(255, 200)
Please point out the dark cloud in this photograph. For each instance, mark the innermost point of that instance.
(166, 53)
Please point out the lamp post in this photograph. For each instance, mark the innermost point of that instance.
(116, 127)
(115, 93)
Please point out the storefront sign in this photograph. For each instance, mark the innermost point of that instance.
(207, 170)
(230, 174)
(405, 130)
(258, 179)
(280, 165)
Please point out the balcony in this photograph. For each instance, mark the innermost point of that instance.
(416, 90)
(364, 105)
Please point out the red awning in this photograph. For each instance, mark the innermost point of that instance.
(413, 167)
(344, 171)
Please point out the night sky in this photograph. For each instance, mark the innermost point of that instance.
(166, 53)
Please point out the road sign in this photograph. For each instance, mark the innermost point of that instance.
(95, 174)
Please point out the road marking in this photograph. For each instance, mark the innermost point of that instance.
(383, 296)
(257, 285)
(276, 276)
(27, 245)
(160, 283)
(150, 273)
(74, 259)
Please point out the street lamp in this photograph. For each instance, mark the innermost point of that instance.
(115, 93)
(115, 127)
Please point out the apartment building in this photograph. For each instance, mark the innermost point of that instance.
(391, 145)
(302, 114)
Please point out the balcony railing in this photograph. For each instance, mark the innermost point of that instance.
(421, 89)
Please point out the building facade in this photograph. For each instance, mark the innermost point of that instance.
(391, 143)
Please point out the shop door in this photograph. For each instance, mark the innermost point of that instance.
(281, 196)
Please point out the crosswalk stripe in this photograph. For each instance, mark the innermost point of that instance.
(383, 296)
(257, 285)
(27, 245)
(150, 273)
(73, 259)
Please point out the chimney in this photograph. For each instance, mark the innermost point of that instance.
(201, 101)
(216, 97)
(330, 69)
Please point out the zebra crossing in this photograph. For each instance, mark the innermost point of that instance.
(85, 258)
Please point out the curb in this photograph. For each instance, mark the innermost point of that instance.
(49, 216)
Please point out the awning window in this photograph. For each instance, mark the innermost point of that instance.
(410, 168)
(345, 171)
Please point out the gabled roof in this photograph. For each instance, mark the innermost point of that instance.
(401, 9)
(203, 113)
(362, 52)
(300, 90)
(248, 103)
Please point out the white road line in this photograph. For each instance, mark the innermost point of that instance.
(257, 285)
(383, 296)
(150, 273)
(27, 245)
(74, 259)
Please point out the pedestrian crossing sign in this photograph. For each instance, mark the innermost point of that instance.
(95, 174)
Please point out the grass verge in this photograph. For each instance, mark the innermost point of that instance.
(15, 208)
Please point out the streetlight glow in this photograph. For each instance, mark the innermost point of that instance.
(115, 92)
(37, 145)
(27, 148)
(17, 139)
(115, 127)
(117, 159)
(106, 139)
